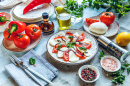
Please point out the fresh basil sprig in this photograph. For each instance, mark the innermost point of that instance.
(71, 44)
(32, 61)
(59, 46)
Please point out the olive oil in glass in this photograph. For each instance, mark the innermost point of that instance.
(64, 20)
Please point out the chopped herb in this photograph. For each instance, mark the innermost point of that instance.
(71, 45)
(83, 48)
(32, 61)
(102, 54)
(59, 46)
(70, 37)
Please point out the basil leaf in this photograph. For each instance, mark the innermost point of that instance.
(73, 43)
(32, 61)
(68, 45)
(82, 48)
(70, 37)
(102, 54)
(128, 70)
(59, 46)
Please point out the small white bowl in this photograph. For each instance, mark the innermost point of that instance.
(112, 57)
(91, 67)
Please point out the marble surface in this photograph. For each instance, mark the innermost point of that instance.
(67, 74)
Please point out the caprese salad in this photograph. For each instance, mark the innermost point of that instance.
(71, 46)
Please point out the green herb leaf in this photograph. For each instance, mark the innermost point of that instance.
(32, 61)
(83, 48)
(128, 70)
(70, 37)
(102, 54)
(59, 46)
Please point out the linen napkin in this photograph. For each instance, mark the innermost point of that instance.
(43, 67)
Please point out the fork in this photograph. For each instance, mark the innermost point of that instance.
(28, 70)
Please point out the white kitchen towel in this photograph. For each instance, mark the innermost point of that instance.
(42, 66)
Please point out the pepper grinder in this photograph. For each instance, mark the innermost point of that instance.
(114, 49)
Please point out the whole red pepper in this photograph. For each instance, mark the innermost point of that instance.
(3, 19)
(33, 4)
(16, 27)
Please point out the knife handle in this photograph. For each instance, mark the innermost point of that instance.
(39, 75)
(33, 77)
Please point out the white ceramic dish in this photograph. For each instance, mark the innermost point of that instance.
(91, 67)
(113, 29)
(31, 20)
(112, 57)
(93, 49)
(4, 26)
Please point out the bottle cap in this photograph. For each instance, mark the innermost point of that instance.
(45, 15)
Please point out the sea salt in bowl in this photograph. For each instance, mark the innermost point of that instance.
(110, 64)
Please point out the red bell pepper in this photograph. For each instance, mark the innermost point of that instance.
(3, 19)
(16, 27)
(33, 4)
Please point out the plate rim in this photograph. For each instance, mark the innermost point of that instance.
(73, 63)
(30, 21)
(25, 48)
(101, 34)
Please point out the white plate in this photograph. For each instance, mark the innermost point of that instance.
(113, 29)
(34, 19)
(93, 49)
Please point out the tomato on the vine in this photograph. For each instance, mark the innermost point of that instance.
(6, 35)
(22, 41)
(107, 18)
(33, 31)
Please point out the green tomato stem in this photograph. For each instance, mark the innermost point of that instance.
(13, 28)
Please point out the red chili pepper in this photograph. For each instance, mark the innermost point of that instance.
(33, 4)
(3, 19)
(16, 27)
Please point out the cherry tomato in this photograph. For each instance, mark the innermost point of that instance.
(107, 18)
(80, 54)
(6, 34)
(33, 31)
(55, 48)
(90, 21)
(66, 56)
(22, 41)
(81, 37)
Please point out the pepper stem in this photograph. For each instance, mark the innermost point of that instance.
(2, 19)
(13, 29)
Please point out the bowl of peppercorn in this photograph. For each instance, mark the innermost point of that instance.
(88, 73)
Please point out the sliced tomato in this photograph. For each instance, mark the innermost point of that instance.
(90, 21)
(55, 49)
(59, 37)
(66, 56)
(81, 37)
(69, 33)
(80, 54)
(78, 45)
(88, 45)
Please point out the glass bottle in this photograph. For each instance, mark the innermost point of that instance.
(46, 25)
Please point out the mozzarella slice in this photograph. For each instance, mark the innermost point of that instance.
(76, 34)
(88, 53)
(73, 57)
(52, 43)
(74, 39)
(64, 49)
(86, 41)
(60, 54)
(61, 34)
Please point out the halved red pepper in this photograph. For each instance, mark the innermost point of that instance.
(3, 19)
(16, 27)
(33, 4)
